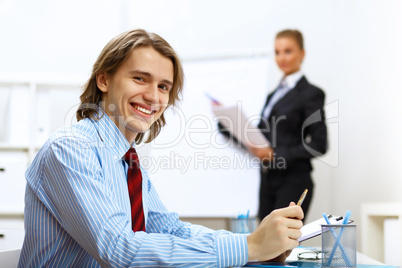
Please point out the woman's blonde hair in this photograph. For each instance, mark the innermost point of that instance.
(294, 34)
(113, 55)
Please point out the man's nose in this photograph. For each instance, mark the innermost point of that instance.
(151, 93)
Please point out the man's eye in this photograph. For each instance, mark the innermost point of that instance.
(163, 87)
(139, 79)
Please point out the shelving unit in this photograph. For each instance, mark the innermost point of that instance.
(32, 113)
(31, 108)
(35, 108)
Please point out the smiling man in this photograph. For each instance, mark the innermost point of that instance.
(90, 204)
(138, 92)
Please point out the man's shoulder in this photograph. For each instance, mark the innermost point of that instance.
(69, 140)
(83, 132)
(78, 140)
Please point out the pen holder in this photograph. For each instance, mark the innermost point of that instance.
(243, 225)
(338, 245)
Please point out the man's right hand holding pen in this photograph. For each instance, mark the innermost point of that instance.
(276, 235)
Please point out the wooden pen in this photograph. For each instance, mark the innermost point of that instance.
(302, 197)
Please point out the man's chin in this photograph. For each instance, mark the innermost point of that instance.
(138, 128)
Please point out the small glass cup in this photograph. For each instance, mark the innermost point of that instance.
(243, 225)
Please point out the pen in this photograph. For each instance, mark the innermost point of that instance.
(302, 197)
(337, 240)
(212, 99)
(346, 219)
(326, 218)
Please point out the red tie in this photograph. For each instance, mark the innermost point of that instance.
(134, 181)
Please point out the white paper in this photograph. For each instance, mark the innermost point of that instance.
(313, 229)
(241, 126)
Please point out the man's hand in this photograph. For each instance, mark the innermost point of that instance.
(282, 257)
(276, 235)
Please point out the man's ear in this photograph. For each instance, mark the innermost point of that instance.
(102, 82)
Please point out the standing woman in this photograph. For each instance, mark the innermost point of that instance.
(293, 120)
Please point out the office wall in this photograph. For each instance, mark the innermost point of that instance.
(191, 160)
(353, 53)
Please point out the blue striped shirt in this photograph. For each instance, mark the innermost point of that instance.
(77, 210)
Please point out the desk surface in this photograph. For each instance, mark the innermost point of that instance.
(360, 258)
(12, 256)
(363, 259)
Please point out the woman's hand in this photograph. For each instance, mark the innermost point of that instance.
(264, 154)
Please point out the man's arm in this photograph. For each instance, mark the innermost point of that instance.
(85, 206)
(160, 220)
(273, 240)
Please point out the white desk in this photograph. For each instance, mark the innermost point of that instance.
(9, 258)
(360, 258)
(363, 259)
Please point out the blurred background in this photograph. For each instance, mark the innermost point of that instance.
(353, 52)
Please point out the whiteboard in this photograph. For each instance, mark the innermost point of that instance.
(196, 172)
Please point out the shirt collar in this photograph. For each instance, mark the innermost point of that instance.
(111, 135)
(292, 79)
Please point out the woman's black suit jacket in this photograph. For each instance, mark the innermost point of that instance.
(297, 132)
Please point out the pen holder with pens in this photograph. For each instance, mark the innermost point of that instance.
(243, 225)
(338, 245)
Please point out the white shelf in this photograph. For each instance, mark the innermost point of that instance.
(15, 211)
(42, 79)
(34, 106)
(13, 147)
(4, 146)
